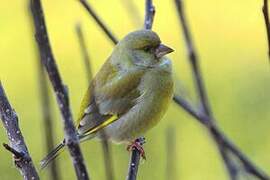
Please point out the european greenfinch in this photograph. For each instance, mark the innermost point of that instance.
(130, 93)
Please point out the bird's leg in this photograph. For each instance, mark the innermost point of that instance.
(137, 144)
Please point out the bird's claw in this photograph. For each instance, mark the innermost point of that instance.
(137, 145)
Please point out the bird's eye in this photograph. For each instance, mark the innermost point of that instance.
(147, 49)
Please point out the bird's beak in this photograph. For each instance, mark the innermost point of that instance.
(162, 50)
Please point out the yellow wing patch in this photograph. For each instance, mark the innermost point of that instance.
(102, 125)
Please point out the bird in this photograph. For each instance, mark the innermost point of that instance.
(128, 96)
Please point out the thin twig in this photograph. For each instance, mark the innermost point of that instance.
(220, 137)
(149, 14)
(224, 145)
(48, 61)
(17, 146)
(267, 23)
(107, 155)
(98, 20)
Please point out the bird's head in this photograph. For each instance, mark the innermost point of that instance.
(143, 48)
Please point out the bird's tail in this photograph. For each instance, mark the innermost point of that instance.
(52, 155)
(57, 150)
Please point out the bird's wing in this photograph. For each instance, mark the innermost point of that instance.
(108, 97)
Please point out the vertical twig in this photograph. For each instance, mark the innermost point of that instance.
(49, 133)
(107, 155)
(223, 144)
(99, 21)
(149, 14)
(267, 23)
(17, 147)
(48, 61)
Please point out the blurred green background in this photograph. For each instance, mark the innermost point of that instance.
(231, 42)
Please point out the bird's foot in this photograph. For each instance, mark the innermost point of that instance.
(137, 144)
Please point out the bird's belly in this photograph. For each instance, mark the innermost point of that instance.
(139, 119)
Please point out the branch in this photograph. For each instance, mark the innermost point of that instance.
(105, 145)
(149, 14)
(98, 21)
(224, 145)
(135, 161)
(48, 61)
(17, 146)
(267, 23)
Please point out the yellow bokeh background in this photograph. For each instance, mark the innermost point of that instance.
(230, 39)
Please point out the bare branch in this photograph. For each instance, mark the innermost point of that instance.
(48, 61)
(267, 23)
(99, 21)
(107, 155)
(206, 117)
(149, 14)
(17, 146)
(135, 161)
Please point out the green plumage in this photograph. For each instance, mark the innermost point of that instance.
(133, 88)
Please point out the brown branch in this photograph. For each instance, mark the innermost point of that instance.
(107, 155)
(98, 21)
(267, 23)
(17, 146)
(49, 63)
(205, 116)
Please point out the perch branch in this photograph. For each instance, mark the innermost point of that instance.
(48, 61)
(105, 145)
(135, 161)
(267, 23)
(17, 146)
(224, 145)
(98, 21)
